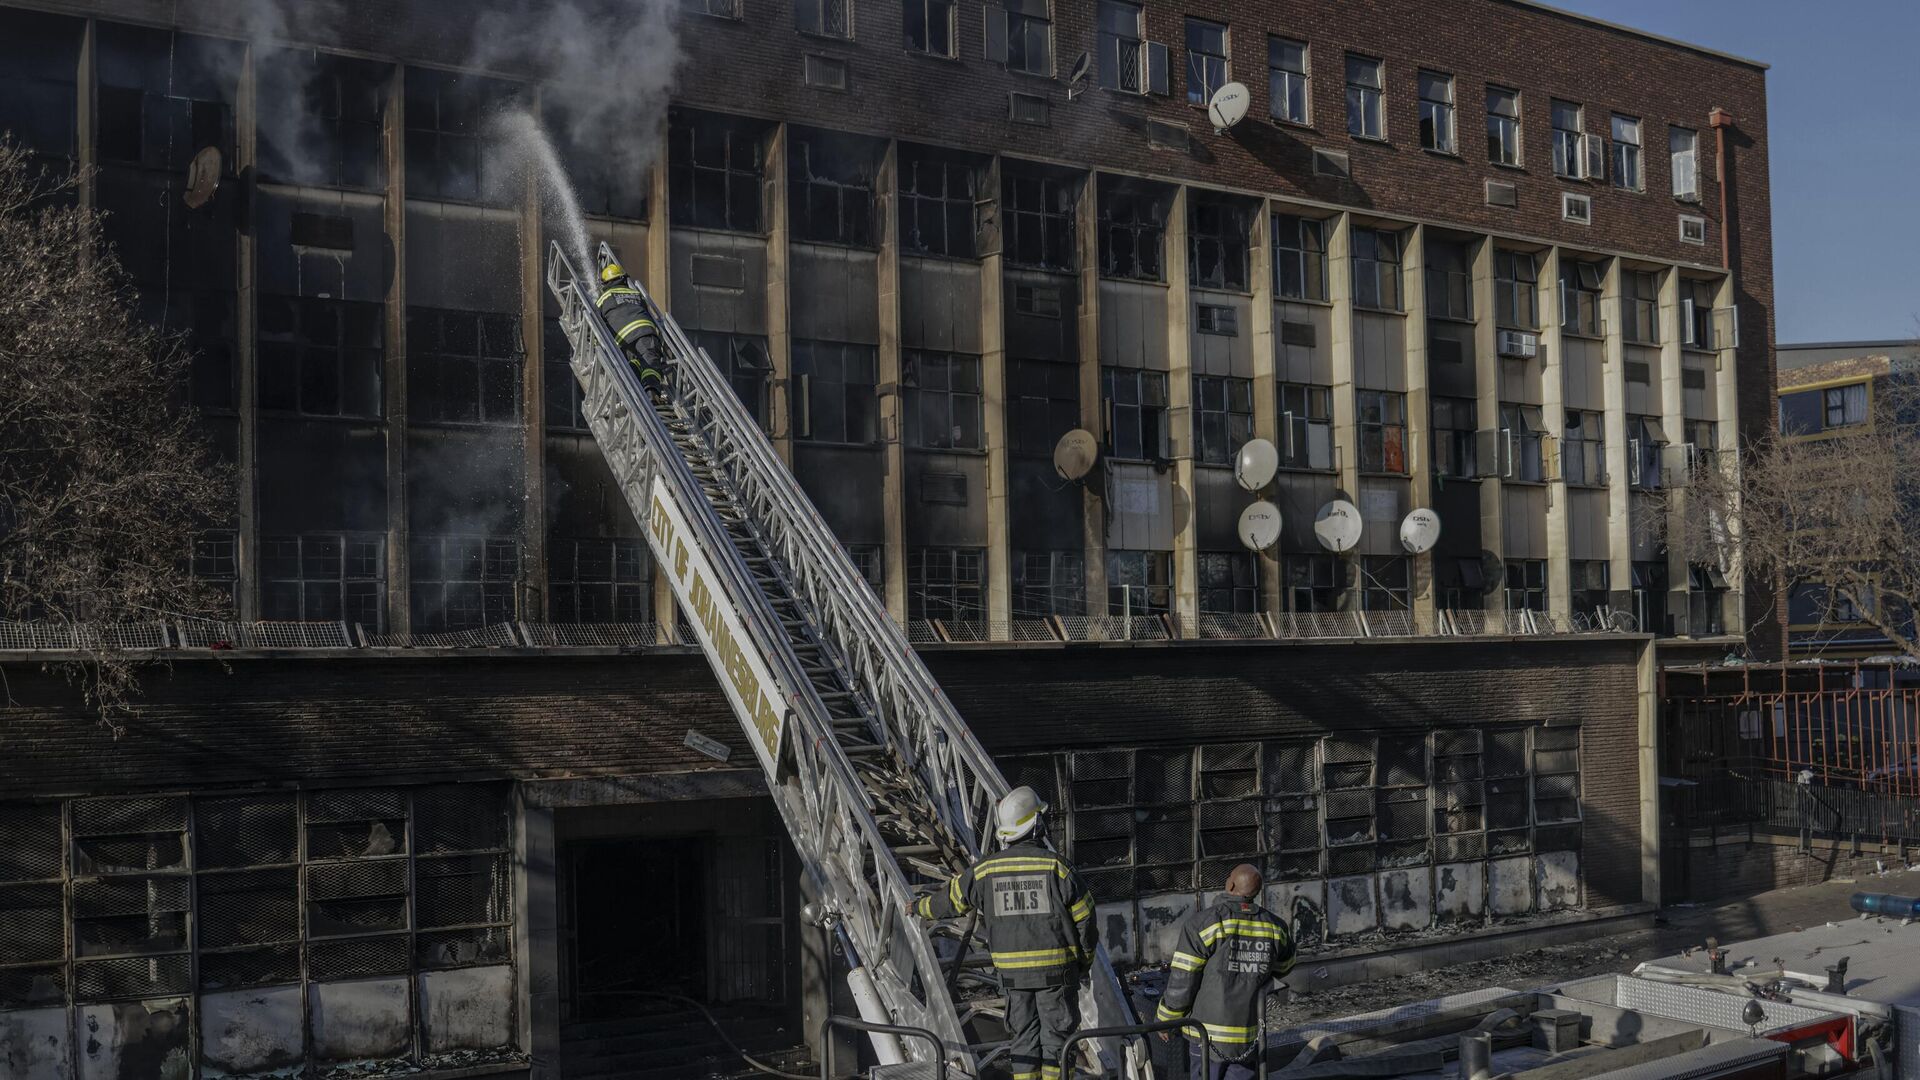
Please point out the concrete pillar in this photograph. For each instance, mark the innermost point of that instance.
(537, 939)
(1266, 380)
(1486, 385)
(993, 386)
(780, 397)
(1671, 353)
(1647, 748)
(892, 402)
(659, 282)
(1419, 418)
(1186, 564)
(533, 409)
(1613, 301)
(399, 610)
(1086, 221)
(1670, 406)
(1345, 407)
(1726, 366)
(1553, 400)
(246, 317)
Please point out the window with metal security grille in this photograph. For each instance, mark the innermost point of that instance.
(1526, 584)
(1569, 140)
(321, 357)
(1449, 274)
(929, 26)
(1139, 583)
(324, 577)
(1455, 450)
(948, 584)
(837, 398)
(1580, 298)
(1626, 153)
(827, 18)
(1121, 46)
(1039, 215)
(1306, 426)
(1217, 243)
(1229, 583)
(830, 190)
(1206, 60)
(1043, 403)
(942, 400)
(1436, 113)
(599, 581)
(1516, 300)
(1503, 126)
(463, 367)
(461, 582)
(336, 105)
(1583, 450)
(1049, 583)
(1300, 257)
(448, 152)
(1314, 582)
(1222, 417)
(1382, 431)
(216, 562)
(1133, 227)
(1136, 413)
(743, 359)
(715, 166)
(937, 200)
(1289, 93)
(1366, 97)
(1376, 269)
(1642, 307)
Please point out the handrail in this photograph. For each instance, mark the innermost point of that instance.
(869, 1027)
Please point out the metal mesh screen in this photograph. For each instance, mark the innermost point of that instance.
(1556, 738)
(1293, 824)
(1407, 853)
(1035, 772)
(1163, 777)
(1158, 879)
(356, 880)
(1506, 753)
(25, 988)
(1557, 838)
(1109, 884)
(111, 817)
(249, 908)
(254, 830)
(129, 854)
(499, 635)
(1506, 804)
(1400, 821)
(592, 635)
(131, 977)
(1229, 771)
(32, 923)
(370, 804)
(129, 896)
(356, 839)
(271, 965)
(460, 890)
(1289, 768)
(1164, 835)
(357, 957)
(1453, 743)
(1349, 860)
(465, 817)
(1298, 866)
(1103, 778)
(1350, 804)
(29, 841)
(1403, 761)
(1346, 763)
(462, 948)
(1472, 845)
(1508, 843)
(48, 635)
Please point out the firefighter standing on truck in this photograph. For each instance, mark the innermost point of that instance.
(1228, 956)
(1038, 924)
(627, 315)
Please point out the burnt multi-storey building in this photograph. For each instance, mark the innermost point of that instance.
(1493, 260)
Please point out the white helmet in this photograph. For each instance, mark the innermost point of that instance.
(1018, 813)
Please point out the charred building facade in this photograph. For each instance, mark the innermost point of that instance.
(926, 243)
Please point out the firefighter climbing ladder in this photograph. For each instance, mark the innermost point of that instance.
(875, 773)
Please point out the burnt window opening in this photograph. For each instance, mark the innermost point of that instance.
(1591, 596)
(1222, 417)
(1376, 269)
(1020, 35)
(1217, 244)
(1382, 431)
(599, 581)
(1385, 583)
(461, 582)
(1306, 426)
(1526, 585)
(321, 357)
(871, 561)
(1049, 583)
(836, 392)
(830, 190)
(1139, 583)
(743, 359)
(463, 367)
(1136, 412)
(715, 166)
(929, 27)
(215, 563)
(164, 97)
(325, 577)
(1641, 306)
(1043, 403)
(566, 402)
(948, 584)
(611, 181)
(1455, 438)
(1229, 583)
(321, 118)
(1299, 257)
(39, 88)
(1133, 233)
(203, 321)
(937, 202)
(1315, 582)
(447, 116)
(1038, 212)
(943, 403)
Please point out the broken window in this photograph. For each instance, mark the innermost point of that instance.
(1588, 578)
(1580, 298)
(930, 26)
(937, 198)
(1383, 431)
(608, 181)
(1449, 275)
(1217, 244)
(1139, 583)
(1583, 450)
(599, 581)
(447, 146)
(1049, 583)
(463, 367)
(942, 400)
(871, 561)
(1642, 306)
(830, 190)
(1039, 217)
(1133, 226)
(837, 399)
(1526, 584)
(1376, 269)
(39, 73)
(1136, 412)
(320, 119)
(1043, 403)
(1556, 787)
(948, 584)
(1229, 583)
(1455, 449)
(1522, 453)
(461, 582)
(325, 577)
(1315, 582)
(1306, 426)
(321, 357)
(164, 97)
(1222, 417)
(1384, 583)
(743, 359)
(714, 170)
(216, 563)
(1300, 257)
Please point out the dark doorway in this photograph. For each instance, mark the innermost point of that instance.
(640, 921)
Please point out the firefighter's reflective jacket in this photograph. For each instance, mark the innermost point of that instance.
(1037, 916)
(627, 316)
(1227, 957)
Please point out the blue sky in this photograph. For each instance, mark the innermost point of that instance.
(1843, 99)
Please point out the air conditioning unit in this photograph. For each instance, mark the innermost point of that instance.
(1519, 343)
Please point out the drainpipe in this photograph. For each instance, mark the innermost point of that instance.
(1721, 120)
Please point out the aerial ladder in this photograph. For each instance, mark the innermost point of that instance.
(879, 781)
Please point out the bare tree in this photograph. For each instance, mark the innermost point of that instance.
(1839, 511)
(105, 479)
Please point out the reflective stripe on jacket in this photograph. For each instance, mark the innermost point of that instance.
(1036, 914)
(627, 316)
(1228, 955)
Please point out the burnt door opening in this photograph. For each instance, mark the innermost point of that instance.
(640, 920)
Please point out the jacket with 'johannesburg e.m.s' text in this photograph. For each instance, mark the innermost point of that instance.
(1037, 916)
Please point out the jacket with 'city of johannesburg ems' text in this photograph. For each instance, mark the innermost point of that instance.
(1228, 955)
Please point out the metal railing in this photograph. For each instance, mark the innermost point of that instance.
(938, 1063)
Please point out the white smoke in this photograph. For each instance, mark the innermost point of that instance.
(518, 135)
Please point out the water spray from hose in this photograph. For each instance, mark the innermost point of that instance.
(520, 136)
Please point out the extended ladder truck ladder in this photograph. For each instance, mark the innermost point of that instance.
(878, 779)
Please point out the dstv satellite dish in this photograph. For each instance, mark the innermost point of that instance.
(1075, 453)
(1420, 531)
(1228, 106)
(203, 177)
(1337, 526)
(1077, 81)
(1255, 465)
(1260, 526)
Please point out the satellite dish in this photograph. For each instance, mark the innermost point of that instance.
(1255, 465)
(203, 177)
(1260, 526)
(1337, 526)
(1228, 106)
(1075, 453)
(1077, 81)
(1420, 531)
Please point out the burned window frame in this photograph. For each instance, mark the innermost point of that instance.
(1148, 597)
(42, 79)
(815, 392)
(1049, 583)
(1040, 212)
(1300, 245)
(447, 140)
(341, 119)
(214, 558)
(358, 332)
(1219, 247)
(1139, 215)
(1583, 449)
(1455, 437)
(494, 585)
(295, 568)
(1319, 578)
(1386, 583)
(1222, 417)
(1382, 436)
(437, 362)
(1449, 280)
(947, 584)
(935, 384)
(1229, 582)
(738, 177)
(1146, 416)
(1306, 411)
(919, 204)
(1526, 585)
(830, 191)
(599, 580)
(1378, 258)
(1049, 407)
(748, 367)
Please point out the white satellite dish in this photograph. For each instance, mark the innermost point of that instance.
(1256, 463)
(1337, 526)
(1420, 531)
(1228, 106)
(1077, 80)
(1260, 526)
(1075, 453)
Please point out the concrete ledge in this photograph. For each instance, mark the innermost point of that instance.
(1387, 959)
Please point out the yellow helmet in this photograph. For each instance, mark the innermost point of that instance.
(612, 272)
